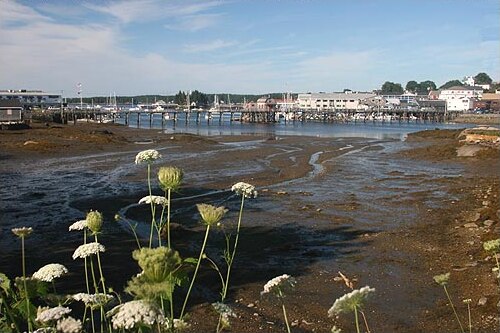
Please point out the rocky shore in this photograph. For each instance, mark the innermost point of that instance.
(429, 224)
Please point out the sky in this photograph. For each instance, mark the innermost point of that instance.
(133, 47)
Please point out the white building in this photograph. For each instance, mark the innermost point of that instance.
(470, 81)
(460, 98)
(333, 101)
(31, 97)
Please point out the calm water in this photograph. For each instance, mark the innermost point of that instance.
(371, 130)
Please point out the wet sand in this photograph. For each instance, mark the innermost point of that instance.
(388, 213)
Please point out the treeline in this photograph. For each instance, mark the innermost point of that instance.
(423, 88)
(199, 98)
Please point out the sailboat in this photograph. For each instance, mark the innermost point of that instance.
(214, 110)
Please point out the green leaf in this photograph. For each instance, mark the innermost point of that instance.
(191, 261)
(4, 283)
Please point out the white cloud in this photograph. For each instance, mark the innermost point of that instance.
(152, 10)
(11, 11)
(208, 46)
(194, 23)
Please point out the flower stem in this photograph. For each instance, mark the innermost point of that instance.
(168, 217)
(231, 259)
(85, 263)
(100, 268)
(152, 207)
(25, 286)
(284, 315)
(195, 271)
(356, 319)
(453, 307)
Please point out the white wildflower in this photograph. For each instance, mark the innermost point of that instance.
(156, 199)
(136, 313)
(278, 285)
(49, 272)
(147, 156)
(86, 250)
(78, 225)
(244, 189)
(46, 315)
(69, 325)
(22, 232)
(180, 325)
(350, 301)
(92, 300)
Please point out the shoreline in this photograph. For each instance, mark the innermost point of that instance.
(295, 228)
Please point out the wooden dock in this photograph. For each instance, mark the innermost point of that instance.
(255, 116)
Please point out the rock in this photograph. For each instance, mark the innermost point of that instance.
(251, 305)
(482, 301)
(30, 142)
(498, 304)
(473, 217)
(295, 323)
(486, 203)
(470, 225)
(488, 223)
(281, 192)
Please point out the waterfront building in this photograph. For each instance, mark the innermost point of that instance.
(488, 102)
(334, 101)
(31, 98)
(266, 104)
(460, 98)
(407, 98)
(10, 111)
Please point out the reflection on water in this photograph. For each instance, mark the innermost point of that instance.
(374, 130)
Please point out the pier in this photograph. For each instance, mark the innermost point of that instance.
(252, 116)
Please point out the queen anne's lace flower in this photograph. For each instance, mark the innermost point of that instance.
(492, 245)
(69, 325)
(86, 250)
(49, 272)
(156, 199)
(147, 156)
(278, 284)
(92, 300)
(46, 315)
(180, 325)
(78, 225)
(130, 314)
(442, 279)
(22, 232)
(244, 189)
(350, 301)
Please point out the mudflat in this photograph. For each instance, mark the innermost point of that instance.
(388, 214)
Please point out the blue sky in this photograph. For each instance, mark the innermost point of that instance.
(159, 47)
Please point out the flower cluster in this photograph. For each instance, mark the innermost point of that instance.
(180, 325)
(86, 250)
(45, 315)
(69, 325)
(492, 245)
(94, 221)
(135, 313)
(350, 301)
(225, 312)
(50, 272)
(244, 189)
(92, 300)
(22, 232)
(147, 156)
(170, 178)
(78, 225)
(155, 199)
(442, 279)
(278, 285)
(211, 215)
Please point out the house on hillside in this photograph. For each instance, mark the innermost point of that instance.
(460, 98)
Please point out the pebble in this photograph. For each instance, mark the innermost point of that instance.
(282, 192)
(470, 225)
(255, 314)
(482, 301)
(251, 305)
(474, 217)
(488, 223)
(486, 203)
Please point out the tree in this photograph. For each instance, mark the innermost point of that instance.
(412, 86)
(180, 98)
(451, 84)
(391, 88)
(425, 86)
(482, 78)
